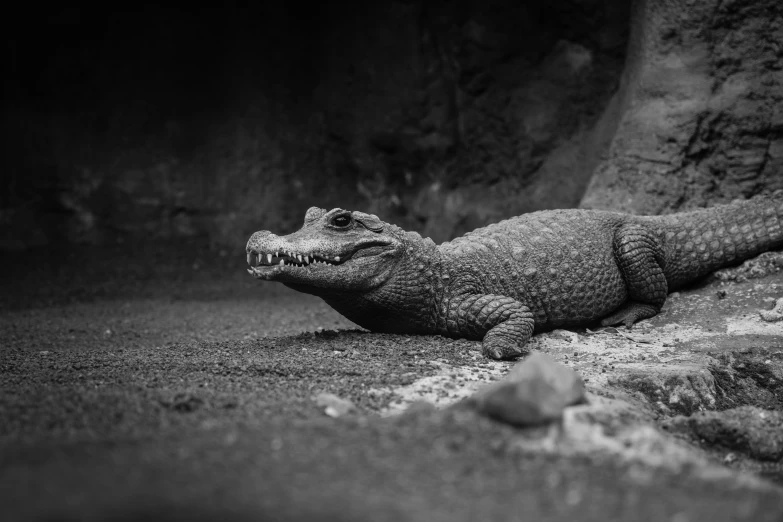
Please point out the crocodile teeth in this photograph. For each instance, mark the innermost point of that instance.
(307, 259)
(337, 258)
(277, 253)
(282, 263)
(299, 257)
(269, 258)
(249, 258)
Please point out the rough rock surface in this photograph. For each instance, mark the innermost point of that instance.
(699, 115)
(747, 429)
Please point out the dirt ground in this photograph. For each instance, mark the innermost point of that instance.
(160, 381)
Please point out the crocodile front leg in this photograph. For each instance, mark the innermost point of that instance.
(504, 324)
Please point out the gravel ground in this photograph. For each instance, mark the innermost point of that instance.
(160, 381)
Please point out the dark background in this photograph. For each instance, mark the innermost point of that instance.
(132, 122)
(161, 123)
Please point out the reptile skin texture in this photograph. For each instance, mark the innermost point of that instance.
(503, 282)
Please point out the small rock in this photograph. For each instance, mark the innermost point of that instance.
(729, 458)
(721, 294)
(334, 406)
(536, 391)
(774, 315)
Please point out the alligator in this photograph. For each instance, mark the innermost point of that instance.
(506, 281)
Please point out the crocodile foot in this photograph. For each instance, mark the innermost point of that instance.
(630, 313)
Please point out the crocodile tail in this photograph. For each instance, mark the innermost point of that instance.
(699, 242)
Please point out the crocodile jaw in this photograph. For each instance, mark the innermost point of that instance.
(361, 269)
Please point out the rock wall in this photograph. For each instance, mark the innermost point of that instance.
(440, 116)
(702, 108)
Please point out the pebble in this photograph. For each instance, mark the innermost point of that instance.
(334, 406)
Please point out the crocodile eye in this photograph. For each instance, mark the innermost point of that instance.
(341, 221)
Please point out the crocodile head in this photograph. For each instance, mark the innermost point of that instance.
(338, 249)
